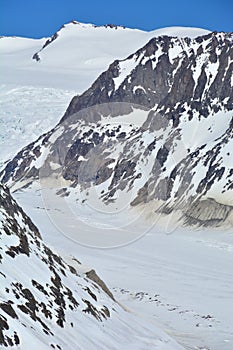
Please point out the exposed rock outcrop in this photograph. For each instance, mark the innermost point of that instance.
(40, 293)
(180, 151)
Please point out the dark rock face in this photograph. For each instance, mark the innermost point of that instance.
(167, 81)
(11, 225)
(180, 153)
(40, 292)
(36, 56)
(95, 278)
(207, 212)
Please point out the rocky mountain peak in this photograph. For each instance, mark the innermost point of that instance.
(167, 71)
(157, 125)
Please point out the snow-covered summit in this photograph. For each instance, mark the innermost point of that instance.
(75, 55)
(191, 32)
(64, 64)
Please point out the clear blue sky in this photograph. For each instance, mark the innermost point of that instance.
(41, 18)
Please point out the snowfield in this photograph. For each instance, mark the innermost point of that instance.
(26, 113)
(75, 56)
(180, 280)
(172, 280)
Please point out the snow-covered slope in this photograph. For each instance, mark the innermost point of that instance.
(156, 127)
(116, 155)
(180, 279)
(49, 302)
(26, 113)
(35, 94)
(74, 56)
(159, 139)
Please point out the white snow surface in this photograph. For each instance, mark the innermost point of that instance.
(76, 57)
(20, 277)
(177, 280)
(34, 95)
(26, 113)
(180, 279)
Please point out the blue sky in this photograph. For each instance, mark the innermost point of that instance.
(41, 18)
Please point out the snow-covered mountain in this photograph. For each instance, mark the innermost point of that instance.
(34, 93)
(74, 56)
(147, 145)
(156, 126)
(51, 302)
